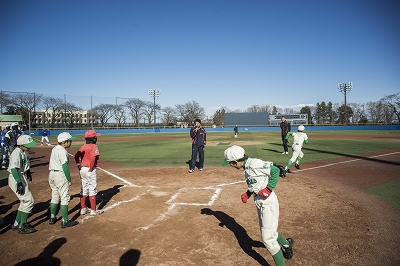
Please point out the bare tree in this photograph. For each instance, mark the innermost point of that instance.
(189, 111)
(392, 101)
(148, 111)
(72, 112)
(288, 111)
(135, 109)
(375, 111)
(169, 115)
(358, 111)
(119, 115)
(26, 104)
(259, 108)
(104, 112)
(5, 100)
(52, 108)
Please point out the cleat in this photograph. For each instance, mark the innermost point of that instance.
(26, 229)
(297, 166)
(68, 223)
(97, 212)
(288, 171)
(191, 171)
(84, 211)
(288, 252)
(52, 220)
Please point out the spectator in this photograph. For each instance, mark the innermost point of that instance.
(198, 135)
(285, 128)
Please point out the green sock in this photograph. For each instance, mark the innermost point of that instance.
(278, 258)
(24, 218)
(298, 160)
(289, 164)
(281, 240)
(64, 212)
(53, 210)
(18, 219)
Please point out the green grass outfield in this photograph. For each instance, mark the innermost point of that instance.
(176, 151)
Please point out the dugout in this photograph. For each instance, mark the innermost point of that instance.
(246, 119)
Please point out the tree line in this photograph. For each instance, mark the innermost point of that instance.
(386, 110)
(136, 110)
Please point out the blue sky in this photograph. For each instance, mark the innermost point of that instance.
(219, 53)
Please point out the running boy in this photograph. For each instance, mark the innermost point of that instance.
(261, 178)
(299, 138)
(60, 180)
(19, 169)
(87, 159)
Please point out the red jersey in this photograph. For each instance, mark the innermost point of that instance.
(88, 156)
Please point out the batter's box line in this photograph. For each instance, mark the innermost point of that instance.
(209, 203)
(137, 197)
(173, 205)
(117, 177)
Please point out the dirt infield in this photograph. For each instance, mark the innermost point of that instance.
(165, 216)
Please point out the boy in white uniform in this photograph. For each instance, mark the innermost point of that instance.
(19, 170)
(60, 180)
(299, 138)
(261, 178)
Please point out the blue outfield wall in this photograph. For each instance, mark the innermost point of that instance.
(38, 133)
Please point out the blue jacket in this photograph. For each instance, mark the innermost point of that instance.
(198, 137)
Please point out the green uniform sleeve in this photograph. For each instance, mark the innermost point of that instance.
(288, 135)
(273, 179)
(306, 141)
(15, 174)
(66, 171)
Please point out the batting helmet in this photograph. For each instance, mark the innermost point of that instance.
(301, 128)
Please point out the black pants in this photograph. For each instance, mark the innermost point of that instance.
(285, 142)
(197, 150)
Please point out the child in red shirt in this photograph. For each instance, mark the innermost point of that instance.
(87, 159)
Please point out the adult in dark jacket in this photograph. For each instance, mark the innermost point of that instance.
(198, 135)
(11, 137)
(285, 128)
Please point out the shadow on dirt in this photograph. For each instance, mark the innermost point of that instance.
(130, 258)
(245, 242)
(47, 256)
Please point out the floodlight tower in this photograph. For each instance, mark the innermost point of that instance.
(344, 88)
(154, 94)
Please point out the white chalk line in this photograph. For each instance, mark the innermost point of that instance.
(349, 161)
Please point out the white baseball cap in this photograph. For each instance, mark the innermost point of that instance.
(26, 141)
(301, 128)
(14, 124)
(64, 136)
(233, 153)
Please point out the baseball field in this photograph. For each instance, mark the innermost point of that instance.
(341, 208)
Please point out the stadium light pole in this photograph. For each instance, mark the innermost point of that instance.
(344, 88)
(154, 94)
